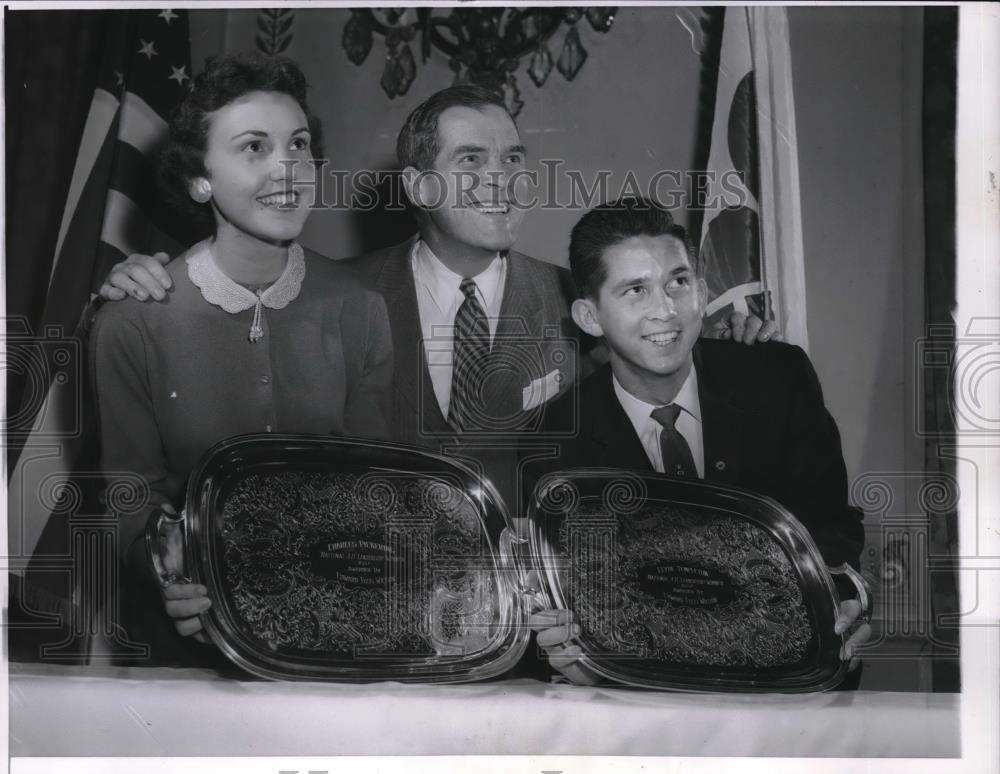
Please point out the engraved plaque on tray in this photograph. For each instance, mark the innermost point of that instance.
(335, 559)
(686, 585)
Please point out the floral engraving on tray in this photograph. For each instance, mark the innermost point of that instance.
(355, 566)
(677, 585)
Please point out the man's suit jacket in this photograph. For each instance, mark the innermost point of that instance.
(765, 429)
(534, 338)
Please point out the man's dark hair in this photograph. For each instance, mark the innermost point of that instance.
(609, 224)
(224, 80)
(417, 143)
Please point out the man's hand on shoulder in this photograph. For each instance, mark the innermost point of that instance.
(140, 276)
(746, 328)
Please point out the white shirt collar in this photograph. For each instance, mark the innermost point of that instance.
(639, 411)
(687, 398)
(442, 283)
(648, 429)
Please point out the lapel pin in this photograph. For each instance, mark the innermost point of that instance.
(720, 465)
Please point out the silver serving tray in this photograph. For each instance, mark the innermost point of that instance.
(686, 585)
(349, 560)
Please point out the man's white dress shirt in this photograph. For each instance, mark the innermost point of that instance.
(439, 296)
(648, 429)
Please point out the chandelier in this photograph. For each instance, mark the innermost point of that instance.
(483, 45)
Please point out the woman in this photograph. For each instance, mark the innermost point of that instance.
(255, 337)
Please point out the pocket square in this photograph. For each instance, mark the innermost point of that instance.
(541, 390)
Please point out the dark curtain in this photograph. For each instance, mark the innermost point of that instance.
(940, 105)
(52, 69)
(52, 62)
(56, 61)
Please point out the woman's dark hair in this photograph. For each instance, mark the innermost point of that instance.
(225, 79)
(610, 224)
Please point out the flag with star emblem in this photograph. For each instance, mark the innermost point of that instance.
(751, 234)
(111, 209)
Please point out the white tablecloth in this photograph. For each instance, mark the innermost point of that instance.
(85, 711)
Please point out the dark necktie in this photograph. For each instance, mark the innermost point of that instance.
(677, 459)
(472, 347)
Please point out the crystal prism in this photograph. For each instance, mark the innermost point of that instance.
(407, 69)
(400, 70)
(573, 55)
(357, 40)
(541, 65)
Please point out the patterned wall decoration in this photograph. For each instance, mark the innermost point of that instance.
(274, 27)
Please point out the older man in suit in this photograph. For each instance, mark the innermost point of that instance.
(458, 286)
(671, 403)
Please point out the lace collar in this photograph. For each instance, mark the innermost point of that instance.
(220, 290)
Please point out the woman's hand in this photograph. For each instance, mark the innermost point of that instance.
(184, 602)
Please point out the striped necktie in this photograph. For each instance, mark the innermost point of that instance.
(677, 459)
(472, 347)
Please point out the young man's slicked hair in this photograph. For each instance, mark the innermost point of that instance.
(611, 223)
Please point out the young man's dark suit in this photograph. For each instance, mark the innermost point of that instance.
(764, 426)
(534, 336)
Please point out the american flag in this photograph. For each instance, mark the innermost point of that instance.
(111, 210)
(112, 199)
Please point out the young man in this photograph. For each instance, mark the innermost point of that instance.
(672, 403)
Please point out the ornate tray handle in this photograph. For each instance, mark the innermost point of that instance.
(864, 591)
(526, 584)
(165, 547)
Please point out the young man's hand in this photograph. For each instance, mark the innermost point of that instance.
(557, 637)
(849, 611)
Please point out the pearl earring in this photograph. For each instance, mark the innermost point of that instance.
(202, 191)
